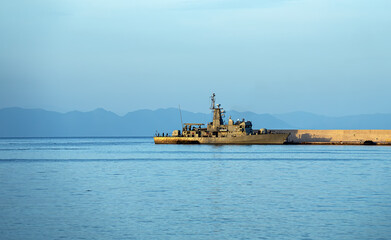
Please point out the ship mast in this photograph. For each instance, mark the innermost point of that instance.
(212, 106)
(217, 113)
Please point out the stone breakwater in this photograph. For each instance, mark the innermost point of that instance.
(338, 137)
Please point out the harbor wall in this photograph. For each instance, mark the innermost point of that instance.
(353, 137)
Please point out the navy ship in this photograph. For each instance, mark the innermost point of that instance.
(216, 132)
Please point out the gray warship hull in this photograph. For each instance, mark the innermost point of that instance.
(261, 139)
(219, 132)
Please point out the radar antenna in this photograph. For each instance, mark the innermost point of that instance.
(212, 106)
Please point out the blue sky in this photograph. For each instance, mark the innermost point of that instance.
(330, 57)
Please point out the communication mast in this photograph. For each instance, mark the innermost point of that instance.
(212, 106)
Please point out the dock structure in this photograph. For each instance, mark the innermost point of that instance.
(338, 137)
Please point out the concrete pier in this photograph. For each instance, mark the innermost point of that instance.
(340, 137)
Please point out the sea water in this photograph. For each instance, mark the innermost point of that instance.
(130, 188)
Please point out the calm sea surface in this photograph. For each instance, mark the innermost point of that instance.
(129, 188)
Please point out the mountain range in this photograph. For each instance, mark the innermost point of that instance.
(20, 122)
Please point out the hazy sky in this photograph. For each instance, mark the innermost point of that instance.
(330, 57)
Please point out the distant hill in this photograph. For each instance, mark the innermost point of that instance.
(19, 122)
(305, 120)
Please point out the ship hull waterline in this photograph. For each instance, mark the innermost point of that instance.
(263, 139)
